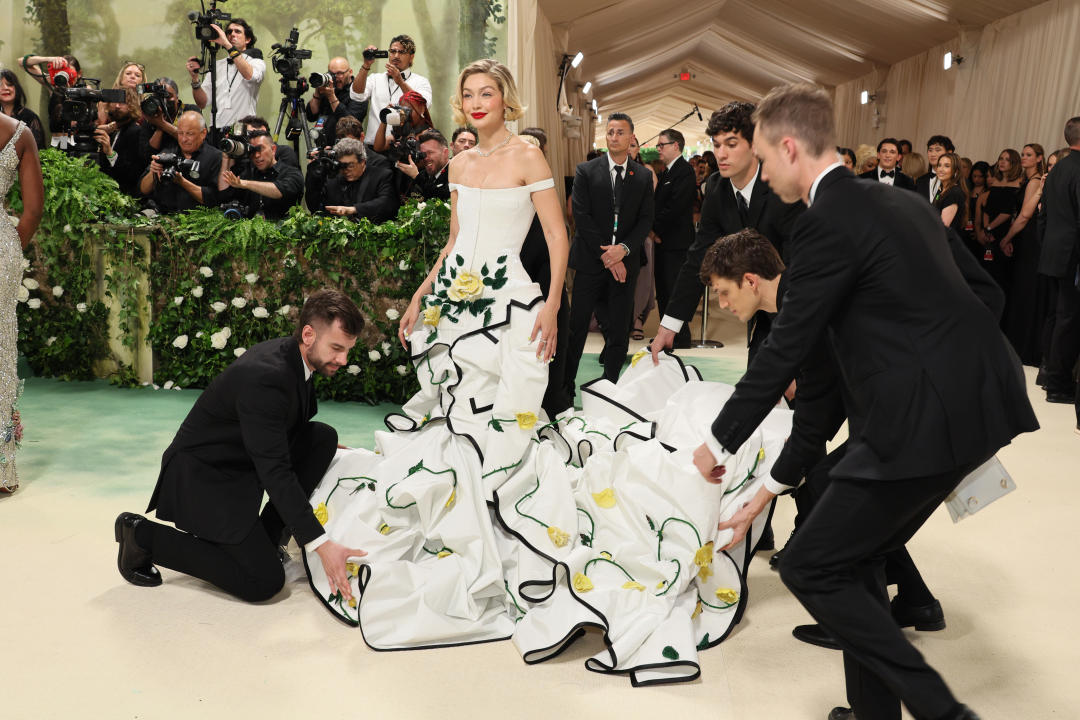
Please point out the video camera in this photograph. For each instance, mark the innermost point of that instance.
(203, 21)
(173, 164)
(373, 54)
(287, 58)
(156, 99)
(79, 114)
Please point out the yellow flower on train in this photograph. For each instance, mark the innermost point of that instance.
(466, 286)
(697, 610)
(352, 602)
(321, 513)
(633, 585)
(582, 583)
(637, 356)
(432, 315)
(605, 498)
(727, 595)
(452, 498)
(605, 554)
(703, 559)
(557, 536)
(526, 420)
(384, 529)
(444, 553)
(761, 454)
(352, 568)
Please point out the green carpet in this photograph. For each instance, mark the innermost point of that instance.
(93, 437)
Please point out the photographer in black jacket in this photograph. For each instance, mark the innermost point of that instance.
(430, 180)
(120, 142)
(331, 102)
(191, 178)
(268, 187)
(358, 191)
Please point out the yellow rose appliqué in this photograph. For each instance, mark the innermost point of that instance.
(557, 536)
(633, 585)
(432, 315)
(466, 286)
(321, 513)
(703, 559)
(637, 356)
(605, 498)
(582, 583)
(727, 595)
(526, 420)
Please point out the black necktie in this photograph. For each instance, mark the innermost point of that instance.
(744, 211)
(888, 173)
(617, 188)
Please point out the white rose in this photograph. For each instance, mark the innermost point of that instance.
(218, 306)
(197, 291)
(239, 302)
(180, 342)
(177, 387)
(284, 310)
(67, 228)
(178, 300)
(260, 312)
(50, 341)
(239, 351)
(206, 272)
(403, 265)
(30, 283)
(81, 307)
(227, 332)
(251, 278)
(421, 205)
(289, 261)
(353, 370)
(33, 303)
(25, 264)
(392, 314)
(168, 384)
(402, 370)
(199, 334)
(23, 295)
(374, 355)
(386, 348)
(57, 291)
(217, 341)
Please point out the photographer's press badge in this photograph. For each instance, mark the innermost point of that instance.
(982, 486)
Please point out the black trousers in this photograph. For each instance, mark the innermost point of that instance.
(556, 398)
(589, 289)
(250, 569)
(666, 266)
(1065, 340)
(835, 566)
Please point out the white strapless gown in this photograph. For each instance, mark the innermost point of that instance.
(485, 520)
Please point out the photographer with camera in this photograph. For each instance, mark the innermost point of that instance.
(268, 187)
(160, 107)
(182, 180)
(239, 75)
(120, 142)
(331, 99)
(282, 153)
(51, 72)
(356, 190)
(431, 178)
(385, 89)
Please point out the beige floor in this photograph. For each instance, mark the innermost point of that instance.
(77, 641)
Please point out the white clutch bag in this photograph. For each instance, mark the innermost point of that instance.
(982, 486)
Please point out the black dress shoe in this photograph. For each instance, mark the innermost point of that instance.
(842, 713)
(133, 561)
(1063, 398)
(921, 617)
(815, 635)
(965, 713)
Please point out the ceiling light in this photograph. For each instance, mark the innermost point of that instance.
(864, 97)
(948, 60)
(588, 86)
(577, 60)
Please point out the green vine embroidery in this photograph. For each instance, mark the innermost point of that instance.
(460, 291)
(757, 459)
(587, 539)
(521, 611)
(418, 467)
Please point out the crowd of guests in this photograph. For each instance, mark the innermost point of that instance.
(375, 143)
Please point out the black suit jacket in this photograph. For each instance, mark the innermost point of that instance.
(767, 213)
(929, 383)
(374, 195)
(901, 180)
(235, 443)
(673, 201)
(1059, 219)
(594, 213)
(922, 185)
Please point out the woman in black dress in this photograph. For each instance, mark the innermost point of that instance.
(1002, 203)
(951, 199)
(13, 104)
(980, 176)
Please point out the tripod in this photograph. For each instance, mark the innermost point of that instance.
(291, 105)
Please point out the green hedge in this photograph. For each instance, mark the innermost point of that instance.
(217, 286)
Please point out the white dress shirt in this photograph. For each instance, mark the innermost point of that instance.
(381, 91)
(236, 97)
(886, 179)
(308, 372)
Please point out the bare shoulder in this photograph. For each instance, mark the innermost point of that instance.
(459, 164)
(531, 160)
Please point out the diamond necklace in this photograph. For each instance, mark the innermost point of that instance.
(485, 154)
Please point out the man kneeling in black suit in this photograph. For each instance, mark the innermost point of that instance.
(249, 431)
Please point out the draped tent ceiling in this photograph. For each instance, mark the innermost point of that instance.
(739, 49)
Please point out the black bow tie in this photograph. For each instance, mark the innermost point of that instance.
(888, 173)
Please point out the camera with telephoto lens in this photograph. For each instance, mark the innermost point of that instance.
(156, 98)
(235, 210)
(409, 147)
(173, 164)
(324, 160)
(396, 115)
(318, 80)
(204, 20)
(287, 58)
(62, 76)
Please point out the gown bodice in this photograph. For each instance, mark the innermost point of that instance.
(493, 220)
(9, 162)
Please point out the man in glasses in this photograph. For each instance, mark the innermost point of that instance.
(358, 191)
(266, 188)
(673, 224)
(383, 89)
(239, 74)
(332, 102)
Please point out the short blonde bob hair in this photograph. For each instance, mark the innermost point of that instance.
(503, 79)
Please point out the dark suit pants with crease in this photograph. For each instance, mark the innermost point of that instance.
(589, 289)
(835, 566)
(666, 266)
(250, 569)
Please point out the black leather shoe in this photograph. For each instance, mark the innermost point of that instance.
(965, 713)
(842, 713)
(921, 617)
(1064, 398)
(133, 562)
(815, 635)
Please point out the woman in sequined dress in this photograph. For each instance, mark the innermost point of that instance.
(18, 160)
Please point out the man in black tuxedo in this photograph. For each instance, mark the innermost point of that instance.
(613, 212)
(928, 184)
(888, 171)
(1059, 223)
(930, 385)
(673, 225)
(250, 431)
(735, 198)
